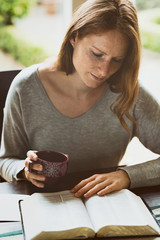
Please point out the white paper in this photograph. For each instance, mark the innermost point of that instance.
(9, 207)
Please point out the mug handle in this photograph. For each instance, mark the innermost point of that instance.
(30, 166)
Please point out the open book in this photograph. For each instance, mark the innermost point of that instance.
(60, 215)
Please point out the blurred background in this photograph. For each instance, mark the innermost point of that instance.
(32, 30)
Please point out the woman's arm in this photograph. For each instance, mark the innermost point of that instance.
(14, 143)
(147, 115)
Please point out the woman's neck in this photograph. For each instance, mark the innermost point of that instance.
(79, 90)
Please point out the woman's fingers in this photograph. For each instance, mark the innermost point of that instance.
(36, 166)
(37, 184)
(96, 189)
(89, 186)
(34, 178)
(83, 183)
(108, 189)
(102, 184)
(32, 155)
(30, 162)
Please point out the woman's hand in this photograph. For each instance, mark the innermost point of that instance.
(102, 184)
(33, 177)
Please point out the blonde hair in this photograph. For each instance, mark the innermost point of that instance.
(95, 16)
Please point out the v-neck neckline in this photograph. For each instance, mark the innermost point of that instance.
(57, 111)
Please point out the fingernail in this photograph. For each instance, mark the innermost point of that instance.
(42, 178)
(40, 168)
(86, 195)
(99, 193)
(35, 157)
(76, 195)
(41, 185)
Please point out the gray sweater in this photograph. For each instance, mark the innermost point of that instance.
(94, 140)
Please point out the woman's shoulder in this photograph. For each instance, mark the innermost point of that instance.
(146, 100)
(24, 82)
(146, 95)
(46, 69)
(49, 76)
(29, 73)
(25, 76)
(48, 65)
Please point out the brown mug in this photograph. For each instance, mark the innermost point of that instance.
(54, 165)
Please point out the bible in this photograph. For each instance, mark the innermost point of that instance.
(61, 215)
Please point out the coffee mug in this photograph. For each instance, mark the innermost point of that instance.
(54, 165)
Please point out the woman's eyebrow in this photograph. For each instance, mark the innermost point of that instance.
(99, 50)
(106, 53)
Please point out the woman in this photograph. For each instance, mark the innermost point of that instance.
(88, 104)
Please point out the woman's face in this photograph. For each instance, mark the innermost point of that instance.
(98, 56)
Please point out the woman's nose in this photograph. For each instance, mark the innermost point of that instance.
(104, 68)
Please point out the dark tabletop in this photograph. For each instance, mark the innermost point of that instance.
(151, 195)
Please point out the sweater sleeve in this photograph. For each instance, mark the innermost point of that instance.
(147, 115)
(14, 142)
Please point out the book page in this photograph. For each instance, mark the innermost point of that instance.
(9, 209)
(122, 208)
(156, 212)
(53, 212)
(10, 229)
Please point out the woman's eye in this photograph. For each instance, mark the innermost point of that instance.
(117, 60)
(99, 55)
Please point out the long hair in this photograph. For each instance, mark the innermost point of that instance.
(97, 16)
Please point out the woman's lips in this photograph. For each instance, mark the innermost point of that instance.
(96, 78)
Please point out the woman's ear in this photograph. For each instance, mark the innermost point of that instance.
(74, 39)
(72, 42)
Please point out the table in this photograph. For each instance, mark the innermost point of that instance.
(151, 195)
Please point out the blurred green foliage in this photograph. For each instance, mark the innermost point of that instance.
(17, 45)
(157, 20)
(147, 4)
(11, 9)
(151, 40)
(149, 22)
